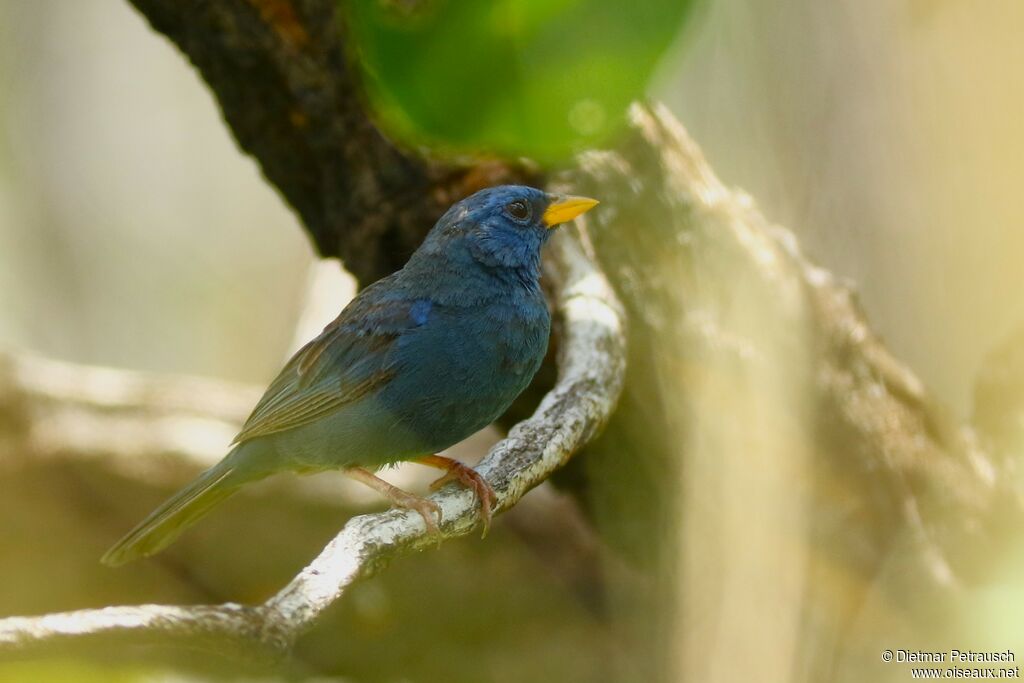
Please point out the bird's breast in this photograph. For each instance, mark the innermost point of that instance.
(464, 367)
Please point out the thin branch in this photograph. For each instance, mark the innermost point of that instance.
(591, 371)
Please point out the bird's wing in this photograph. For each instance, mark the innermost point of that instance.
(347, 361)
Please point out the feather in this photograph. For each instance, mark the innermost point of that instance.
(346, 362)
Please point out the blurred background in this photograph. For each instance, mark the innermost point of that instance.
(887, 134)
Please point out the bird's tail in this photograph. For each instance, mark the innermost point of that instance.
(178, 513)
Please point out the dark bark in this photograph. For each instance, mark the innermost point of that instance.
(278, 70)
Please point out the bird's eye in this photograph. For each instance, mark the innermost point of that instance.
(518, 209)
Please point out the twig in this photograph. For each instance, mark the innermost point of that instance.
(591, 370)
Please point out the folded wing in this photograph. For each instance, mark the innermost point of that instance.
(351, 359)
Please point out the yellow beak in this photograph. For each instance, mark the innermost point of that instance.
(563, 209)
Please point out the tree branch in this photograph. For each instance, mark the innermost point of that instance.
(591, 370)
(279, 71)
(762, 407)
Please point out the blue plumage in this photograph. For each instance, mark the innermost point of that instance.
(416, 362)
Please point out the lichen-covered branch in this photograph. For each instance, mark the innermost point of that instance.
(591, 371)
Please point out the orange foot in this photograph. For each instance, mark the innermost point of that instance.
(469, 478)
(428, 509)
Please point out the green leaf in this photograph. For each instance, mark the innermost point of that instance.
(535, 78)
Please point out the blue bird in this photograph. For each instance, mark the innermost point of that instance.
(418, 361)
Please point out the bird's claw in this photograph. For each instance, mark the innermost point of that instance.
(473, 480)
(428, 509)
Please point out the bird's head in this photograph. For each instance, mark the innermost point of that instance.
(502, 227)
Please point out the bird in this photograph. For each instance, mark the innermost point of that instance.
(416, 362)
